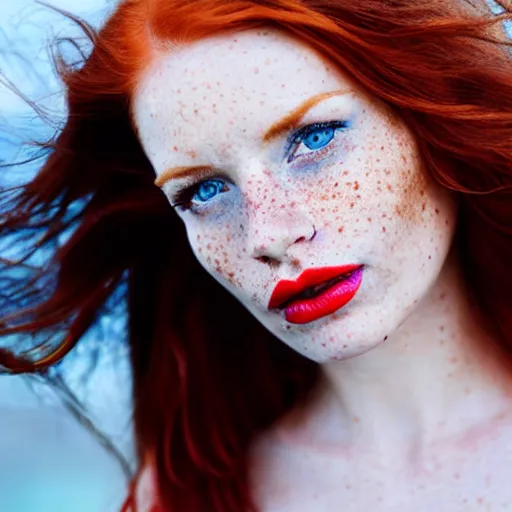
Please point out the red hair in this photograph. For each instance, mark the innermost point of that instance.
(203, 387)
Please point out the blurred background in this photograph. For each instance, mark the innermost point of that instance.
(66, 440)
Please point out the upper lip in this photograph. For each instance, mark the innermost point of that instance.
(285, 290)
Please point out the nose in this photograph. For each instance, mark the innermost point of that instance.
(270, 237)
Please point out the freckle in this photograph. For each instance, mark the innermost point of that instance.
(369, 219)
(340, 229)
(437, 211)
(345, 346)
(288, 327)
(356, 185)
(334, 196)
(389, 187)
(383, 229)
(175, 148)
(209, 246)
(345, 173)
(385, 338)
(441, 328)
(336, 184)
(324, 345)
(429, 257)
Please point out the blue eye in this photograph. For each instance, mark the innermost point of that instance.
(318, 138)
(314, 136)
(207, 190)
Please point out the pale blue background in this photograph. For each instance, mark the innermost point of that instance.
(48, 461)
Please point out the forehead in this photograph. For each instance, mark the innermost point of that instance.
(189, 97)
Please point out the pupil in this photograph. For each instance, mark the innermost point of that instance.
(208, 190)
(319, 139)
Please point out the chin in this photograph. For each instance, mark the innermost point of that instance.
(355, 350)
(338, 337)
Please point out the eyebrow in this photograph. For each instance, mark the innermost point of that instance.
(287, 123)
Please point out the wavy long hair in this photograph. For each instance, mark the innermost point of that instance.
(207, 377)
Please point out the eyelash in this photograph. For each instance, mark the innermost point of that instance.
(183, 199)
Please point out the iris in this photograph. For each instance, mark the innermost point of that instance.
(319, 138)
(207, 190)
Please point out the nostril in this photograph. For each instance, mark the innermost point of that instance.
(300, 239)
(263, 259)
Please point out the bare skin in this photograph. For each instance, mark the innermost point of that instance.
(345, 452)
(414, 409)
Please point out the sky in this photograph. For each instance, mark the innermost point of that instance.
(26, 28)
(47, 459)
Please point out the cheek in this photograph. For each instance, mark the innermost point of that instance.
(220, 252)
(381, 190)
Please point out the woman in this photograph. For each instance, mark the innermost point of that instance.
(310, 202)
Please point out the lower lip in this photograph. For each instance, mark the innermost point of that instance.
(329, 301)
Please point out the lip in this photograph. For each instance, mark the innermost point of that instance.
(307, 309)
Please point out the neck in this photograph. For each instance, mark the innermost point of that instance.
(438, 375)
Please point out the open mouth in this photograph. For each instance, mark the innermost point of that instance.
(315, 291)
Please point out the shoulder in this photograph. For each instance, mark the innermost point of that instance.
(145, 493)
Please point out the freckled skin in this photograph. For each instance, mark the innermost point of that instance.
(276, 204)
(405, 356)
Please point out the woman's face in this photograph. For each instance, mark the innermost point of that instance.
(278, 163)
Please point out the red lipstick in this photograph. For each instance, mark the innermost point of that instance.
(316, 293)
